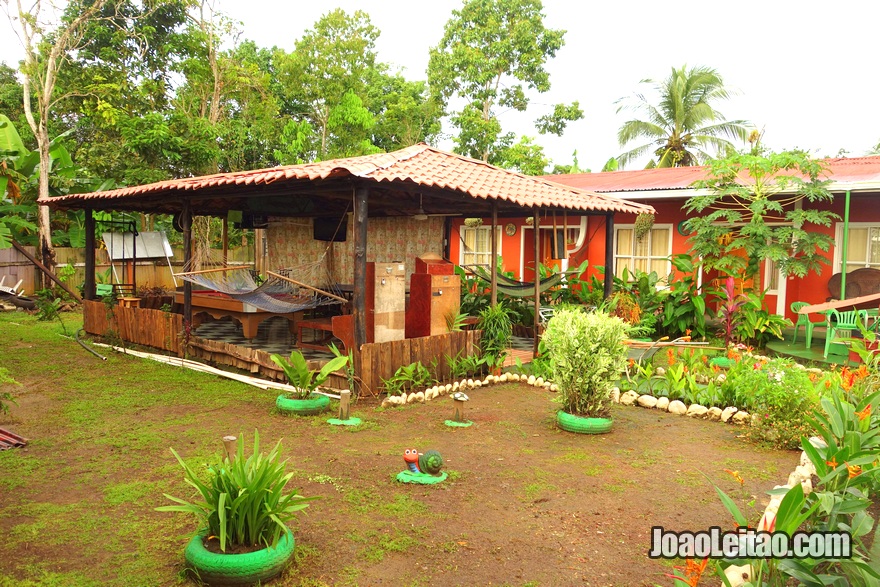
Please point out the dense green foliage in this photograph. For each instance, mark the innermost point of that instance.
(587, 356)
(492, 53)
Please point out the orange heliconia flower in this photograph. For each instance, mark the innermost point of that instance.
(705, 358)
(864, 413)
(693, 570)
(670, 356)
(832, 463)
(854, 471)
(735, 475)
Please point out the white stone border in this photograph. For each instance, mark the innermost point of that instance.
(441, 390)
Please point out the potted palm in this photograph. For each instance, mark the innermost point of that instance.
(305, 401)
(587, 355)
(244, 513)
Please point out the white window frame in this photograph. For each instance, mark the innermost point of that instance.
(650, 257)
(838, 244)
(498, 239)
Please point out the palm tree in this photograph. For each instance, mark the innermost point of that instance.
(684, 124)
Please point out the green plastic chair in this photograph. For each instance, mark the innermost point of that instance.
(849, 320)
(803, 320)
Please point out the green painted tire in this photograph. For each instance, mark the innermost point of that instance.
(237, 569)
(314, 404)
(582, 425)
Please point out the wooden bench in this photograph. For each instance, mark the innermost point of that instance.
(341, 327)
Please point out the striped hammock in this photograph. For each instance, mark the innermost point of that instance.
(514, 288)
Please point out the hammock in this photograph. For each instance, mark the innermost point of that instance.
(514, 288)
(279, 293)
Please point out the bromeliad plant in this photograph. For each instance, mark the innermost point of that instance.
(306, 380)
(243, 502)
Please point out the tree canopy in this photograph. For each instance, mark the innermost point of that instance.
(683, 128)
(492, 53)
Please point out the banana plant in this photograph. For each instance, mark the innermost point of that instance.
(306, 380)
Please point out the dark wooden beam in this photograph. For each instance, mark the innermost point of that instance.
(359, 302)
(536, 216)
(494, 267)
(186, 220)
(46, 270)
(89, 283)
(609, 254)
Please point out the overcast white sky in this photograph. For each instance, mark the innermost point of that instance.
(805, 71)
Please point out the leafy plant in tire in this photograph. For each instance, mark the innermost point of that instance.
(587, 355)
(306, 380)
(243, 503)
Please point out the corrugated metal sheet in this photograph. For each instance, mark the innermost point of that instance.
(842, 170)
(421, 165)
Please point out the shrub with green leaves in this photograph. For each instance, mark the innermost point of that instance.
(408, 377)
(588, 355)
(777, 395)
(6, 396)
(243, 503)
(497, 330)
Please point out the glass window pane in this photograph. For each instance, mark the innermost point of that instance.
(660, 242)
(660, 266)
(857, 248)
(874, 245)
(624, 241)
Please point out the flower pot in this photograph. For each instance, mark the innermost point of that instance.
(237, 569)
(582, 424)
(314, 404)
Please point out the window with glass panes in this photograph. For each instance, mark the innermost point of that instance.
(863, 246)
(476, 247)
(649, 253)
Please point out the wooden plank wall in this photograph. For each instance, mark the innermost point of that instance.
(380, 360)
(152, 328)
(16, 266)
(164, 331)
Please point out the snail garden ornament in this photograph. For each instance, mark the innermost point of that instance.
(422, 468)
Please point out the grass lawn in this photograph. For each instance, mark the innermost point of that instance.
(525, 503)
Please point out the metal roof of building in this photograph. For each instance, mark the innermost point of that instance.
(417, 170)
(844, 173)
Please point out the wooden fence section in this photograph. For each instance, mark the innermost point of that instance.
(380, 360)
(152, 328)
(15, 266)
(164, 331)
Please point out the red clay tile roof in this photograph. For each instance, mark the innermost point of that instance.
(840, 171)
(418, 165)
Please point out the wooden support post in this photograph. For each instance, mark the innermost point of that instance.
(225, 238)
(229, 443)
(186, 220)
(494, 267)
(344, 404)
(359, 301)
(89, 283)
(537, 224)
(609, 254)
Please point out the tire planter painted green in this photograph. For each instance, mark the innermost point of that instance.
(314, 404)
(237, 569)
(582, 425)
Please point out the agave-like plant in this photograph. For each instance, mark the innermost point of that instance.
(243, 503)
